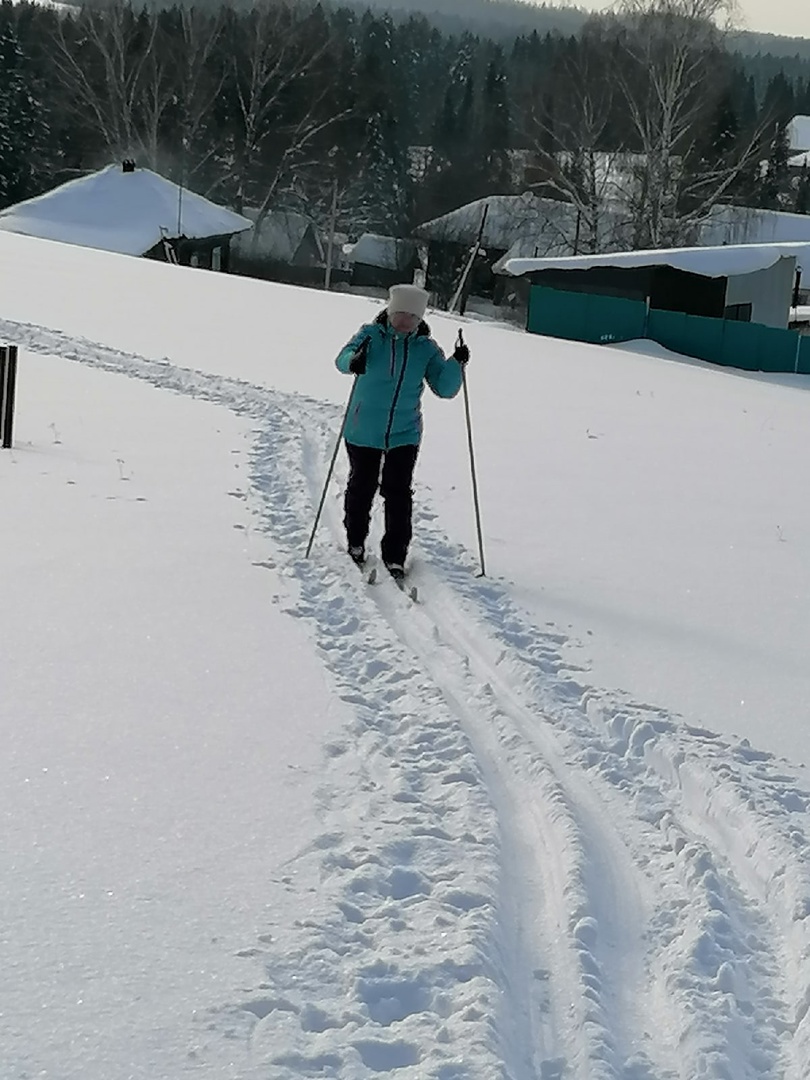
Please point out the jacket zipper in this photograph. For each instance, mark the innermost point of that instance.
(396, 392)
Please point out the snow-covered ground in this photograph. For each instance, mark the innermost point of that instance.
(263, 820)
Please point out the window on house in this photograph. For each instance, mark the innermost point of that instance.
(739, 312)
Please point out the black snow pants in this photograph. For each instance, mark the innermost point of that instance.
(395, 488)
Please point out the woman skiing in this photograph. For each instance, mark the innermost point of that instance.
(392, 359)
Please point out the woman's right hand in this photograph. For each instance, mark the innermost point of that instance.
(357, 364)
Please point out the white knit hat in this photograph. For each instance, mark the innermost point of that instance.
(408, 298)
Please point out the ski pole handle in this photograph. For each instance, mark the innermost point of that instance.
(461, 353)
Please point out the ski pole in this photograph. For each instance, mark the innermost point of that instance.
(472, 460)
(362, 351)
(331, 467)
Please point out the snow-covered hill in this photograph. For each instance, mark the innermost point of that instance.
(263, 820)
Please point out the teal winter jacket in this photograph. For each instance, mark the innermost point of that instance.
(385, 409)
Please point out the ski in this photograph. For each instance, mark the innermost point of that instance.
(410, 591)
(403, 586)
(371, 577)
(369, 572)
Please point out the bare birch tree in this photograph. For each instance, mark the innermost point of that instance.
(627, 146)
(571, 144)
(282, 100)
(198, 81)
(146, 97)
(671, 70)
(108, 61)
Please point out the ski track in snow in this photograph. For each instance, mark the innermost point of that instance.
(548, 881)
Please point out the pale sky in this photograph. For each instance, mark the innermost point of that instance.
(789, 17)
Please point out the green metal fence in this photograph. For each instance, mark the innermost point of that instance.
(804, 355)
(602, 319)
(584, 316)
(687, 334)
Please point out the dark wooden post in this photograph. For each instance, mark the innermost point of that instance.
(8, 388)
(3, 370)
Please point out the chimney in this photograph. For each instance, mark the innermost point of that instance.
(128, 165)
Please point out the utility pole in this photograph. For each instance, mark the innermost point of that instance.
(331, 242)
(459, 300)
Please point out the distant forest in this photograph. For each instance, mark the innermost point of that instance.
(390, 118)
(506, 19)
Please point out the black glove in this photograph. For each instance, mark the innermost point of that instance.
(357, 364)
(461, 353)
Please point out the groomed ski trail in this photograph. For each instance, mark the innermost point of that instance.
(618, 867)
(562, 853)
(551, 842)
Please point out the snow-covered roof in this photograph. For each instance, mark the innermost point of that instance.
(385, 252)
(616, 176)
(747, 225)
(799, 133)
(527, 224)
(726, 261)
(556, 237)
(508, 218)
(280, 235)
(800, 161)
(124, 212)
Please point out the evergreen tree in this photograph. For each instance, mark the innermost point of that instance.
(382, 160)
(725, 128)
(745, 99)
(496, 130)
(778, 105)
(776, 179)
(714, 147)
(385, 182)
(22, 129)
